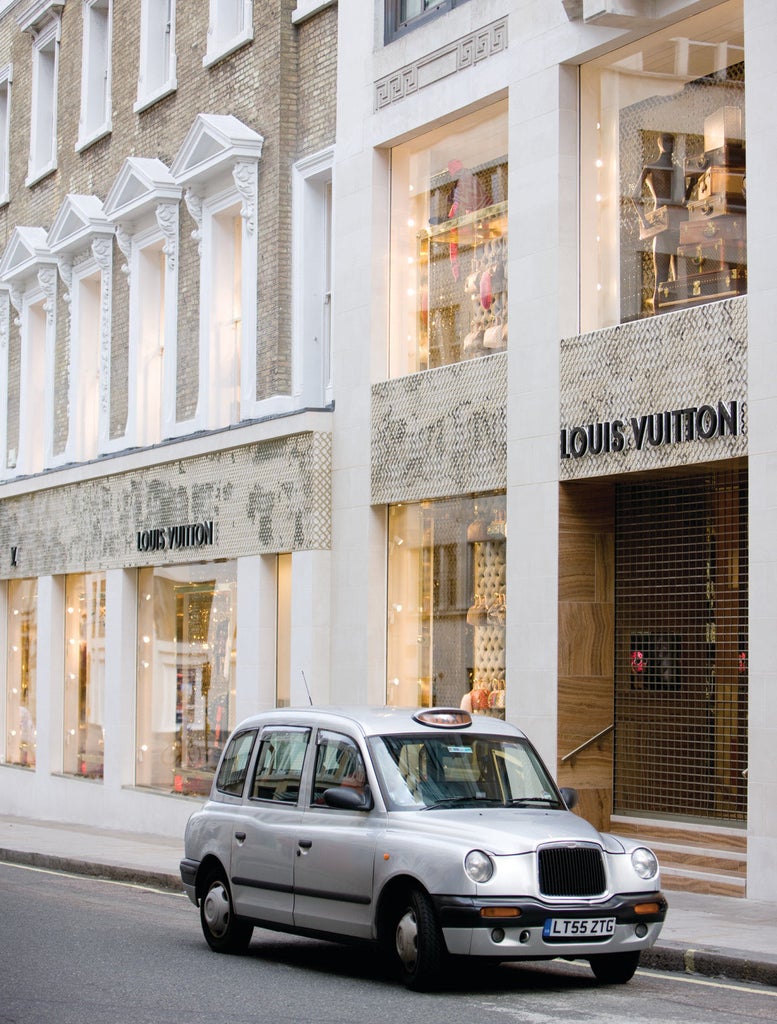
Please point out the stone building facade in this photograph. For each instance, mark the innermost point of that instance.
(507, 443)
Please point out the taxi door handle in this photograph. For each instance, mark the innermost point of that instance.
(241, 837)
(304, 844)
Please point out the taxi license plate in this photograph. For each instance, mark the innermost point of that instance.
(574, 928)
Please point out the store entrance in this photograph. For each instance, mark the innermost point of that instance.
(680, 738)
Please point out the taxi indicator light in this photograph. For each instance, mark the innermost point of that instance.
(647, 908)
(444, 718)
(500, 912)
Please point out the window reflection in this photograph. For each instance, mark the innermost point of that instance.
(447, 604)
(84, 713)
(22, 662)
(186, 673)
(449, 244)
(663, 176)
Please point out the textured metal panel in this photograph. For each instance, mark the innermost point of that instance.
(440, 433)
(663, 364)
(263, 498)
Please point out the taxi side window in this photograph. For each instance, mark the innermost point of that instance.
(279, 765)
(338, 763)
(234, 766)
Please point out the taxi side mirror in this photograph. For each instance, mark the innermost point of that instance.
(570, 796)
(346, 798)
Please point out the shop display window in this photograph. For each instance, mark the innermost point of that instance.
(84, 713)
(186, 674)
(448, 298)
(447, 604)
(663, 174)
(22, 663)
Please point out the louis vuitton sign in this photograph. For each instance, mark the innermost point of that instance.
(651, 430)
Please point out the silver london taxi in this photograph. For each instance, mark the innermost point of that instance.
(433, 833)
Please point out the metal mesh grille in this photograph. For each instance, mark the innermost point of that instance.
(681, 647)
(571, 871)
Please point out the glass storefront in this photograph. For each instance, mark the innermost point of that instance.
(22, 661)
(663, 173)
(186, 673)
(84, 721)
(447, 605)
(449, 244)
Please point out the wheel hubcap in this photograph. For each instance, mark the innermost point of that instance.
(215, 909)
(407, 940)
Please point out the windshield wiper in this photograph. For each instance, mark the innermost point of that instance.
(530, 801)
(452, 801)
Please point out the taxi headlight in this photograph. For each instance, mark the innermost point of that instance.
(644, 863)
(479, 866)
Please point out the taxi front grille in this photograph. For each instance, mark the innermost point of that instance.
(571, 871)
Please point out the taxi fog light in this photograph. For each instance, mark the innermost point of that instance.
(641, 930)
(644, 862)
(497, 935)
(479, 866)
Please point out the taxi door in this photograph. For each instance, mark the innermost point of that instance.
(264, 840)
(335, 851)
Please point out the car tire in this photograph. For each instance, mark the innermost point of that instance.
(224, 931)
(614, 968)
(418, 943)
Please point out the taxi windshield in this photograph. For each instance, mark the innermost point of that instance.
(444, 770)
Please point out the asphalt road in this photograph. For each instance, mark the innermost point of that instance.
(77, 949)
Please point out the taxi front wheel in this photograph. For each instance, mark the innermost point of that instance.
(224, 931)
(419, 944)
(614, 968)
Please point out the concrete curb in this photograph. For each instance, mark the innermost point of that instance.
(710, 962)
(92, 869)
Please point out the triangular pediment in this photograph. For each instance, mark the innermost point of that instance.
(141, 183)
(26, 252)
(213, 145)
(79, 220)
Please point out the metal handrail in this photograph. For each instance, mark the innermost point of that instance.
(589, 742)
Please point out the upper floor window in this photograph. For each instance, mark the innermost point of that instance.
(157, 51)
(43, 110)
(312, 278)
(218, 164)
(144, 202)
(231, 24)
(448, 282)
(95, 118)
(81, 239)
(5, 124)
(402, 15)
(663, 164)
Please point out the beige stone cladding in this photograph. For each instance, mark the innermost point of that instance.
(280, 84)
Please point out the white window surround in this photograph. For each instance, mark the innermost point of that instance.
(29, 271)
(96, 69)
(307, 8)
(311, 279)
(157, 76)
(230, 26)
(81, 239)
(42, 20)
(144, 203)
(5, 326)
(6, 78)
(218, 165)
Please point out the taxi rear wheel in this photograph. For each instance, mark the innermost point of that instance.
(224, 931)
(418, 942)
(614, 968)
